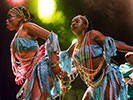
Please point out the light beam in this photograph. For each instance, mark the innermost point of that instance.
(46, 9)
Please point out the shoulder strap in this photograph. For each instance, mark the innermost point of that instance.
(90, 60)
(18, 33)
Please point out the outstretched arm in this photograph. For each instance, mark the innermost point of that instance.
(122, 47)
(36, 30)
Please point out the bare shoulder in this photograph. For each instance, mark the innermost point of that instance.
(95, 33)
(36, 30)
(96, 36)
(29, 24)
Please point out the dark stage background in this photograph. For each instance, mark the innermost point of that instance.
(112, 17)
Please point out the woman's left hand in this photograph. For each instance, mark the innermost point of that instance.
(19, 80)
(58, 72)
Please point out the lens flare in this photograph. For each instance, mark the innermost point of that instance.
(46, 9)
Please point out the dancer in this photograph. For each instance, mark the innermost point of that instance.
(40, 70)
(91, 55)
(127, 71)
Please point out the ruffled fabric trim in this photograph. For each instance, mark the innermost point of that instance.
(112, 73)
(109, 48)
(41, 69)
(66, 62)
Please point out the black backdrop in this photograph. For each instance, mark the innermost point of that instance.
(112, 17)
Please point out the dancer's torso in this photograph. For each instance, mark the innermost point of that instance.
(24, 47)
(96, 53)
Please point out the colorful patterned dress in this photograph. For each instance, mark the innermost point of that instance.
(37, 65)
(96, 79)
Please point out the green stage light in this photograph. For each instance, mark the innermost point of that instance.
(46, 8)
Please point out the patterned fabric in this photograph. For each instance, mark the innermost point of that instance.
(41, 69)
(56, 48)
(125, 69)
(66, 61)
(109, 48)
(24, 44)
(22, 68)
(96, 51)
(111, 72)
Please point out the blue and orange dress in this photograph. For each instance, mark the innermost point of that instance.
(37, 65)
(96, 79)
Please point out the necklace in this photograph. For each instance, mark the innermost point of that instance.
(87, 73)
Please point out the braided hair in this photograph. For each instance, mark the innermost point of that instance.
(23, 12)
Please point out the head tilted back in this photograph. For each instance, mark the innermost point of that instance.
(85, 20)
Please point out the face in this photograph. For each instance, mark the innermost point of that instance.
(12, 21)
(130, 59)
(77, 25)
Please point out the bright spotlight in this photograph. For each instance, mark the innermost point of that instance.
(74, 41)
(45, 9)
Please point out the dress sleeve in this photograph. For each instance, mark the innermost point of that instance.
(66, 61)
(52, 44)
(109, 48)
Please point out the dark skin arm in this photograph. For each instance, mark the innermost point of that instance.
(97, 38)
(121, 47)
(58, 72)
(38, 31)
